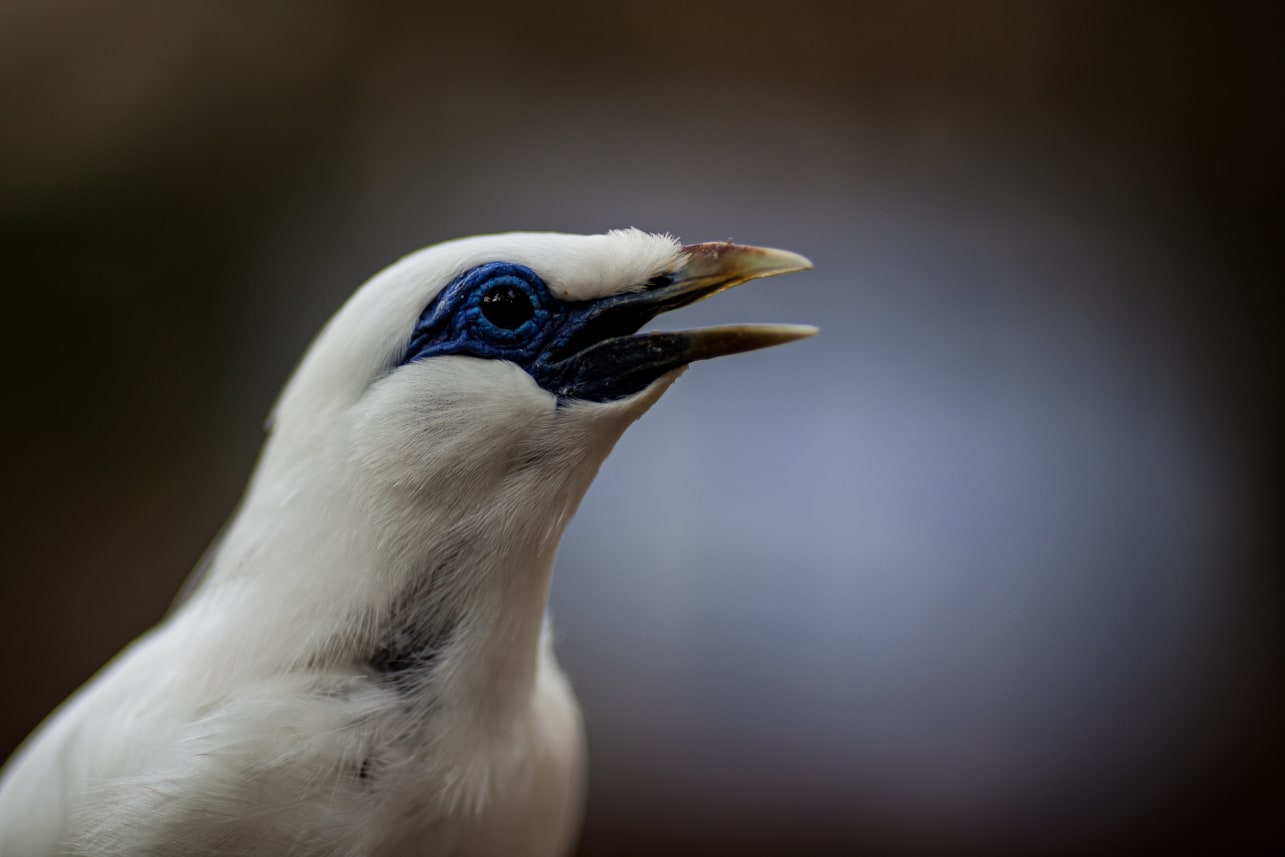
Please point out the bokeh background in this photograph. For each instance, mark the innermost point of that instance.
(987, 567)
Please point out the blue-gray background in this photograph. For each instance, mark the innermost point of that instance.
(985, 567)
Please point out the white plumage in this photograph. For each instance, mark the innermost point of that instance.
(364, 665)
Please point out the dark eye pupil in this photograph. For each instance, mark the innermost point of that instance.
(507, 307)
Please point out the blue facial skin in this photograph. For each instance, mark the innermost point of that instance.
(504, 311)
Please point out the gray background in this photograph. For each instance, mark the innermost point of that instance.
(983, 568)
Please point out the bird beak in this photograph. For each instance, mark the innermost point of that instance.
(601, 361)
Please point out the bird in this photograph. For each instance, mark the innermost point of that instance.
(361, 664)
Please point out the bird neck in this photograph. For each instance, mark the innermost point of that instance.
(437, 588)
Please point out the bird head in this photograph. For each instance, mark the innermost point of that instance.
(471, 359)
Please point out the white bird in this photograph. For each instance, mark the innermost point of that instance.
(361, 665)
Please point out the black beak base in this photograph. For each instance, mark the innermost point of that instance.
(603, 361)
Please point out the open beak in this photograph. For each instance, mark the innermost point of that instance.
(605, 359)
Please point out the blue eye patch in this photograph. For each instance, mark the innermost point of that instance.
(498, 310)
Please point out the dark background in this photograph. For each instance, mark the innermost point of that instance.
(987, 567)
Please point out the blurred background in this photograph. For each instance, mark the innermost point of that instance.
(985, 568)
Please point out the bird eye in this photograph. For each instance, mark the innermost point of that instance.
(507, 306)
